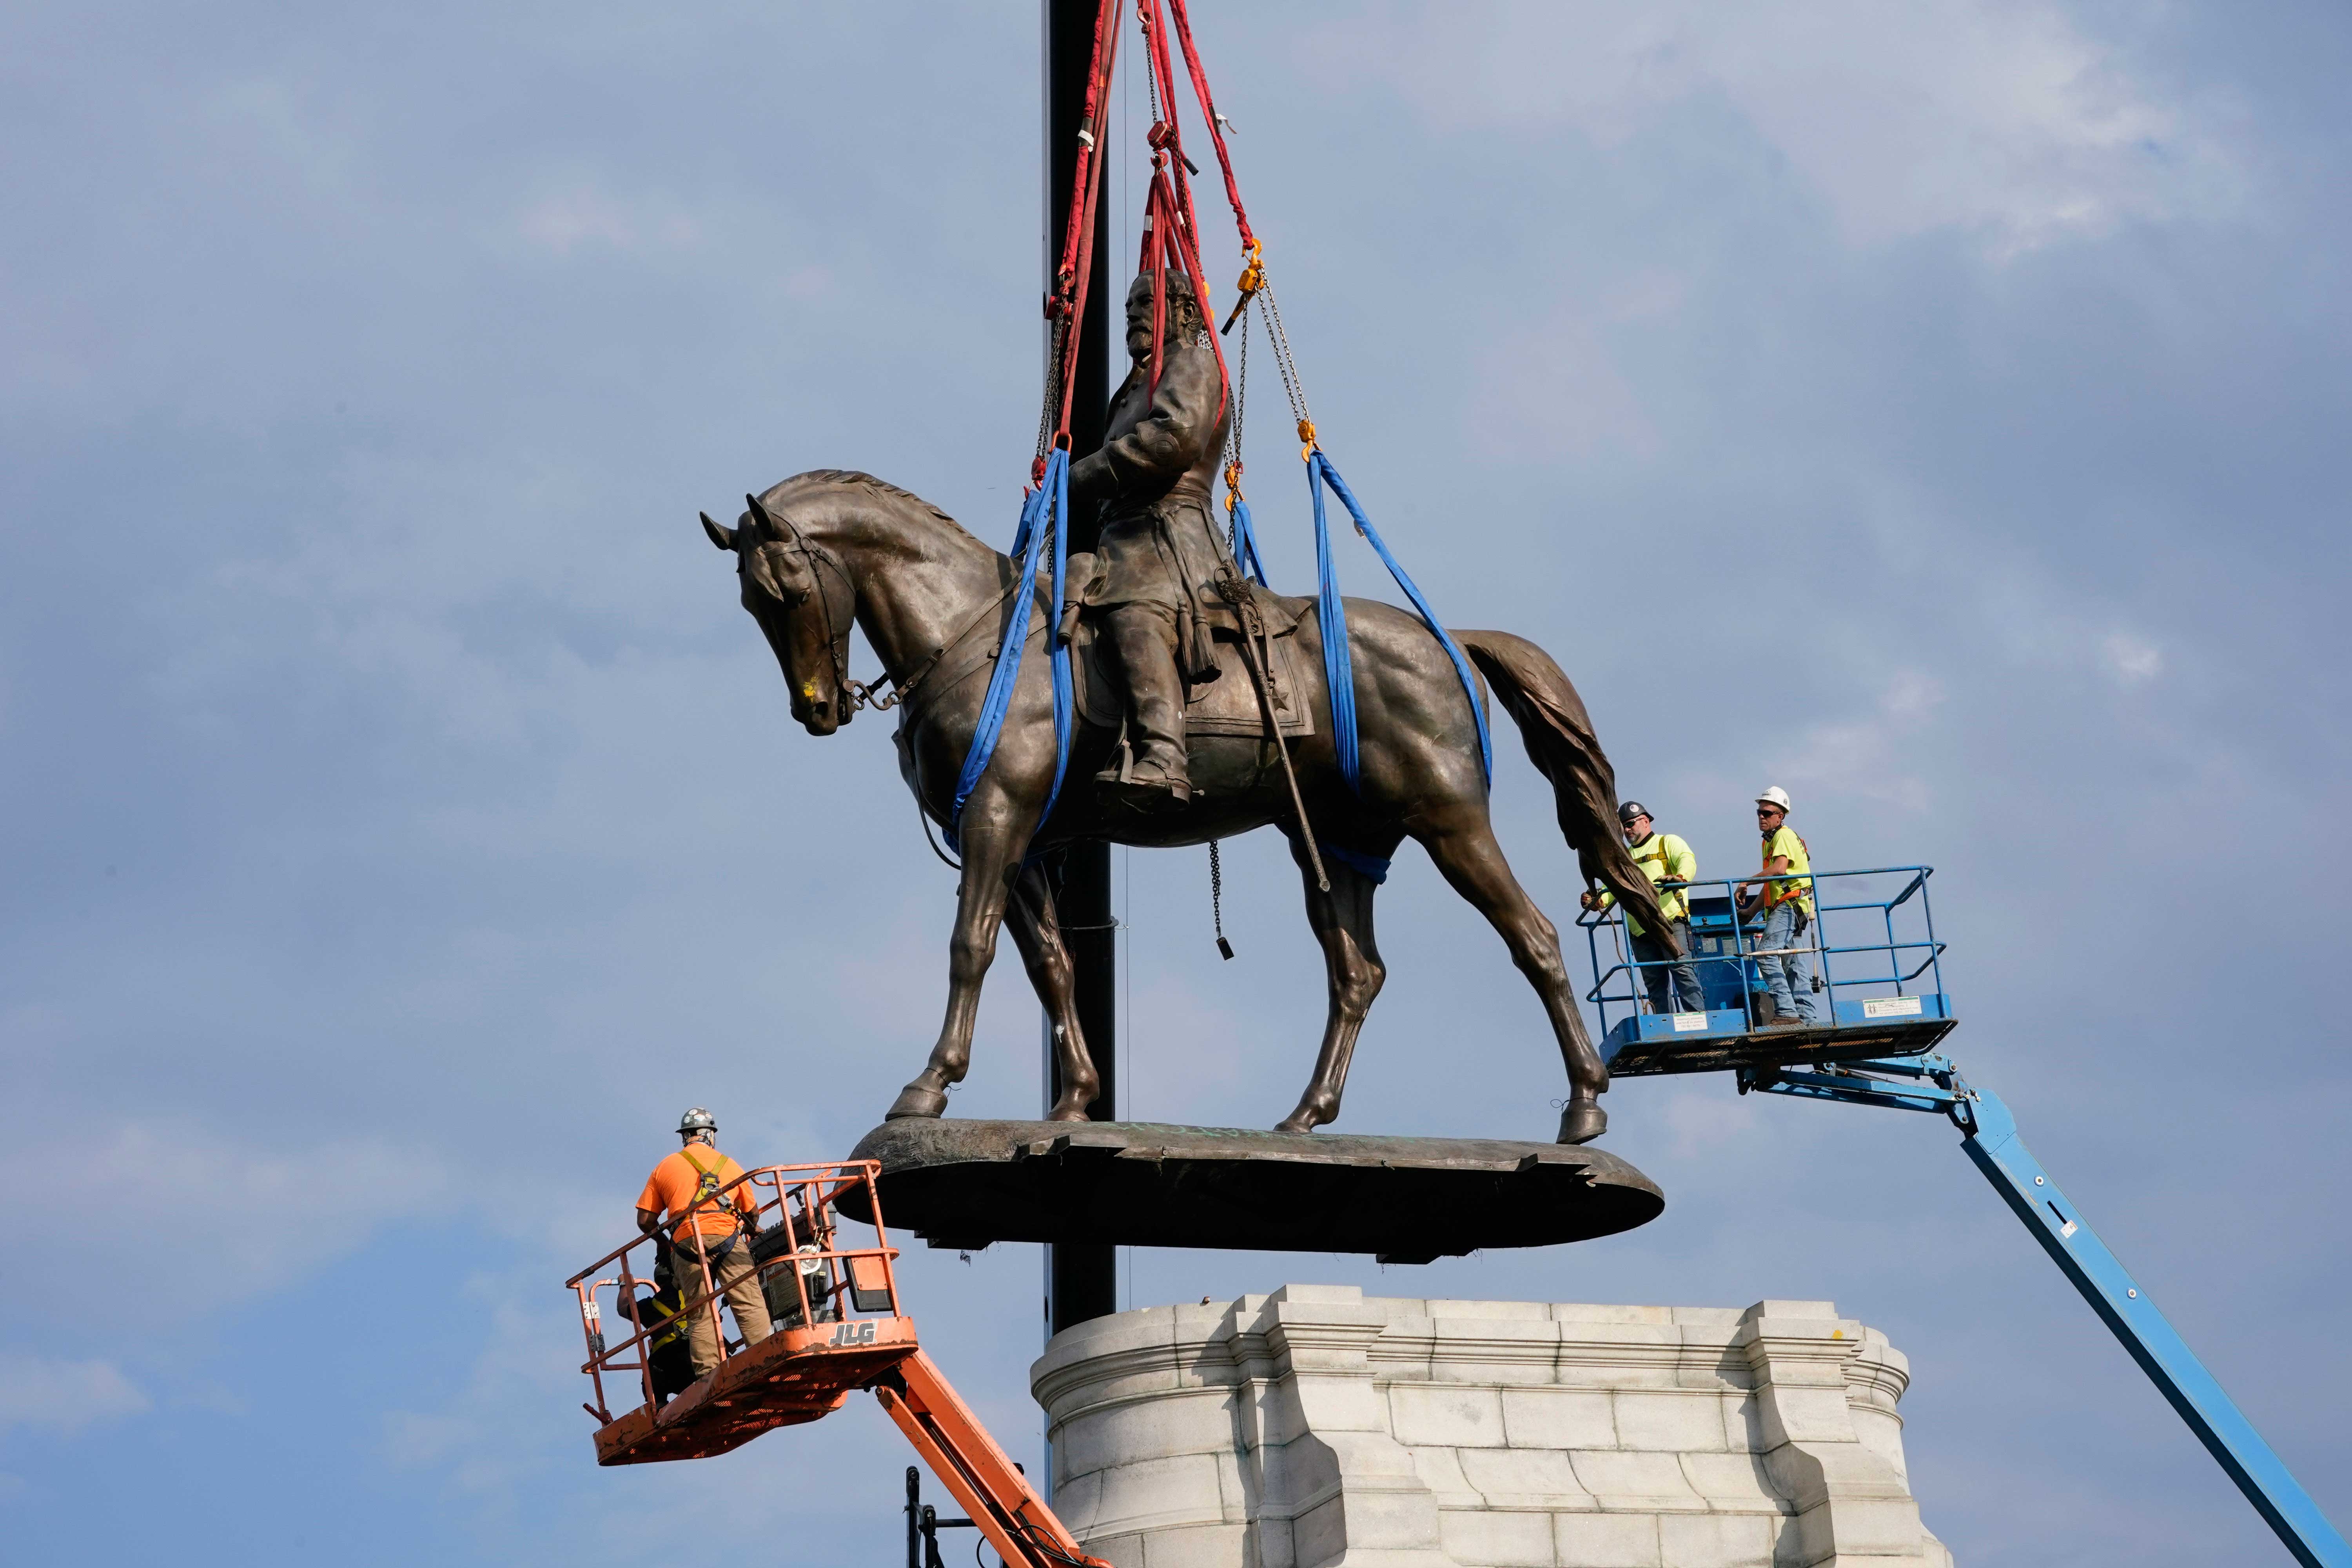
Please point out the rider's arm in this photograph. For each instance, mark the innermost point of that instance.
(1091, 479)
(1166, 441)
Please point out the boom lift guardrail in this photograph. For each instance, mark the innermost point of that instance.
(1872, 941)
(837, 1328)
(1832, 1062)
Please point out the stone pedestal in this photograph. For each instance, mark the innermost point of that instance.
(1316, 1427)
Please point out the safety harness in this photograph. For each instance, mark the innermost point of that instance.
(706, 1191)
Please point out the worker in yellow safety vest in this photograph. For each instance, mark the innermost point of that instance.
(711, 1237)
(667, 1360)
(1668, 861)
(1784, 944)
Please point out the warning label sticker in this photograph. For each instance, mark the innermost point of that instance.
(1685, 1022)
(1891, 1007)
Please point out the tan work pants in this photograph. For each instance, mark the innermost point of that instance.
(737, 1281)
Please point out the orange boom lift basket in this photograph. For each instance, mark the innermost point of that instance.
(837, 1328)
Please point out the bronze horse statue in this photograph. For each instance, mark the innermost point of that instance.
(827, 550)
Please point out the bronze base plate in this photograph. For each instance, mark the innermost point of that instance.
(1141, 1183)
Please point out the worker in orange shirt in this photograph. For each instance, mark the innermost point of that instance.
(709, 1229)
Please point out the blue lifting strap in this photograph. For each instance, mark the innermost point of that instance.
(1246, 553)
(1047, 511)
(1332, 616)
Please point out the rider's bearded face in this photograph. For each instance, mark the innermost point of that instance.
(1138, 322)
(1138, 316)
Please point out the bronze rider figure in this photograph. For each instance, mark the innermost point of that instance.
(1157, 600)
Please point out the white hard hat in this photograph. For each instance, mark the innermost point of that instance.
(1775, 795)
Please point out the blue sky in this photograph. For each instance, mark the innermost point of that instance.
(1937, 411)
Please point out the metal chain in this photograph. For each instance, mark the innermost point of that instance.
(1234, 444)
(1217, 898)
(1291, 384)
(1241, 389)
(1053, 404)
(1150, 78)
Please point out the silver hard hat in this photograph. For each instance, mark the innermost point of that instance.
(698, 1119)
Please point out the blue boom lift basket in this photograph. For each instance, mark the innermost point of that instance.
(1881, 1007)
(1874, 954)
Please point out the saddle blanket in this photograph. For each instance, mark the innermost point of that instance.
(1225, 706)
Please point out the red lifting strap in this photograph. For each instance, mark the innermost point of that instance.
(1171, 229)
(1068, 300)
(1171, 226)
(1209, 113)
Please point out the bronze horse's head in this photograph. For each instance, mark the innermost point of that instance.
(805, 604)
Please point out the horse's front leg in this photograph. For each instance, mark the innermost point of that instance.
(1342, 920)
(992, 847)
(1037, 932)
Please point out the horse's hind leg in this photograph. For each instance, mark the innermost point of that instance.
(1036, 931)
(1473, 863)
(1342, 920)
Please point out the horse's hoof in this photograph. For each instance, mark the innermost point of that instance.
(1309, 1115)
(1582, 1121)
(916, 1100)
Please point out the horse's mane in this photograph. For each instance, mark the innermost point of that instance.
(852, 477)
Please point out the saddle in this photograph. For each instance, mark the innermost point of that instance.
(1227, 705)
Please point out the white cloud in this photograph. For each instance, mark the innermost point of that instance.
(522, 1391)
(1995, 117)
(2131, 660)
(1554, 391)
(563, 221)
(224, 1220)
(64, 1396)
(1862, 757)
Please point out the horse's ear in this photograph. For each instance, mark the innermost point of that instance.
(764, 523)
(722, 537)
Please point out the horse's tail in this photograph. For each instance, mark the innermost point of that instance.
(1561, 742)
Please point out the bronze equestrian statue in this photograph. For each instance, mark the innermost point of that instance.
(827, 550)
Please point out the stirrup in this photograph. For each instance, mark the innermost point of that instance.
(1149, 794)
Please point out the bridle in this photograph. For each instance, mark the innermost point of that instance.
(774, 529)
(855, 694)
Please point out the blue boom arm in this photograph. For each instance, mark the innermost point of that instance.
(1933, 1084)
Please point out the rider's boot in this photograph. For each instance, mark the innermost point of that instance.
(1155, 776)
